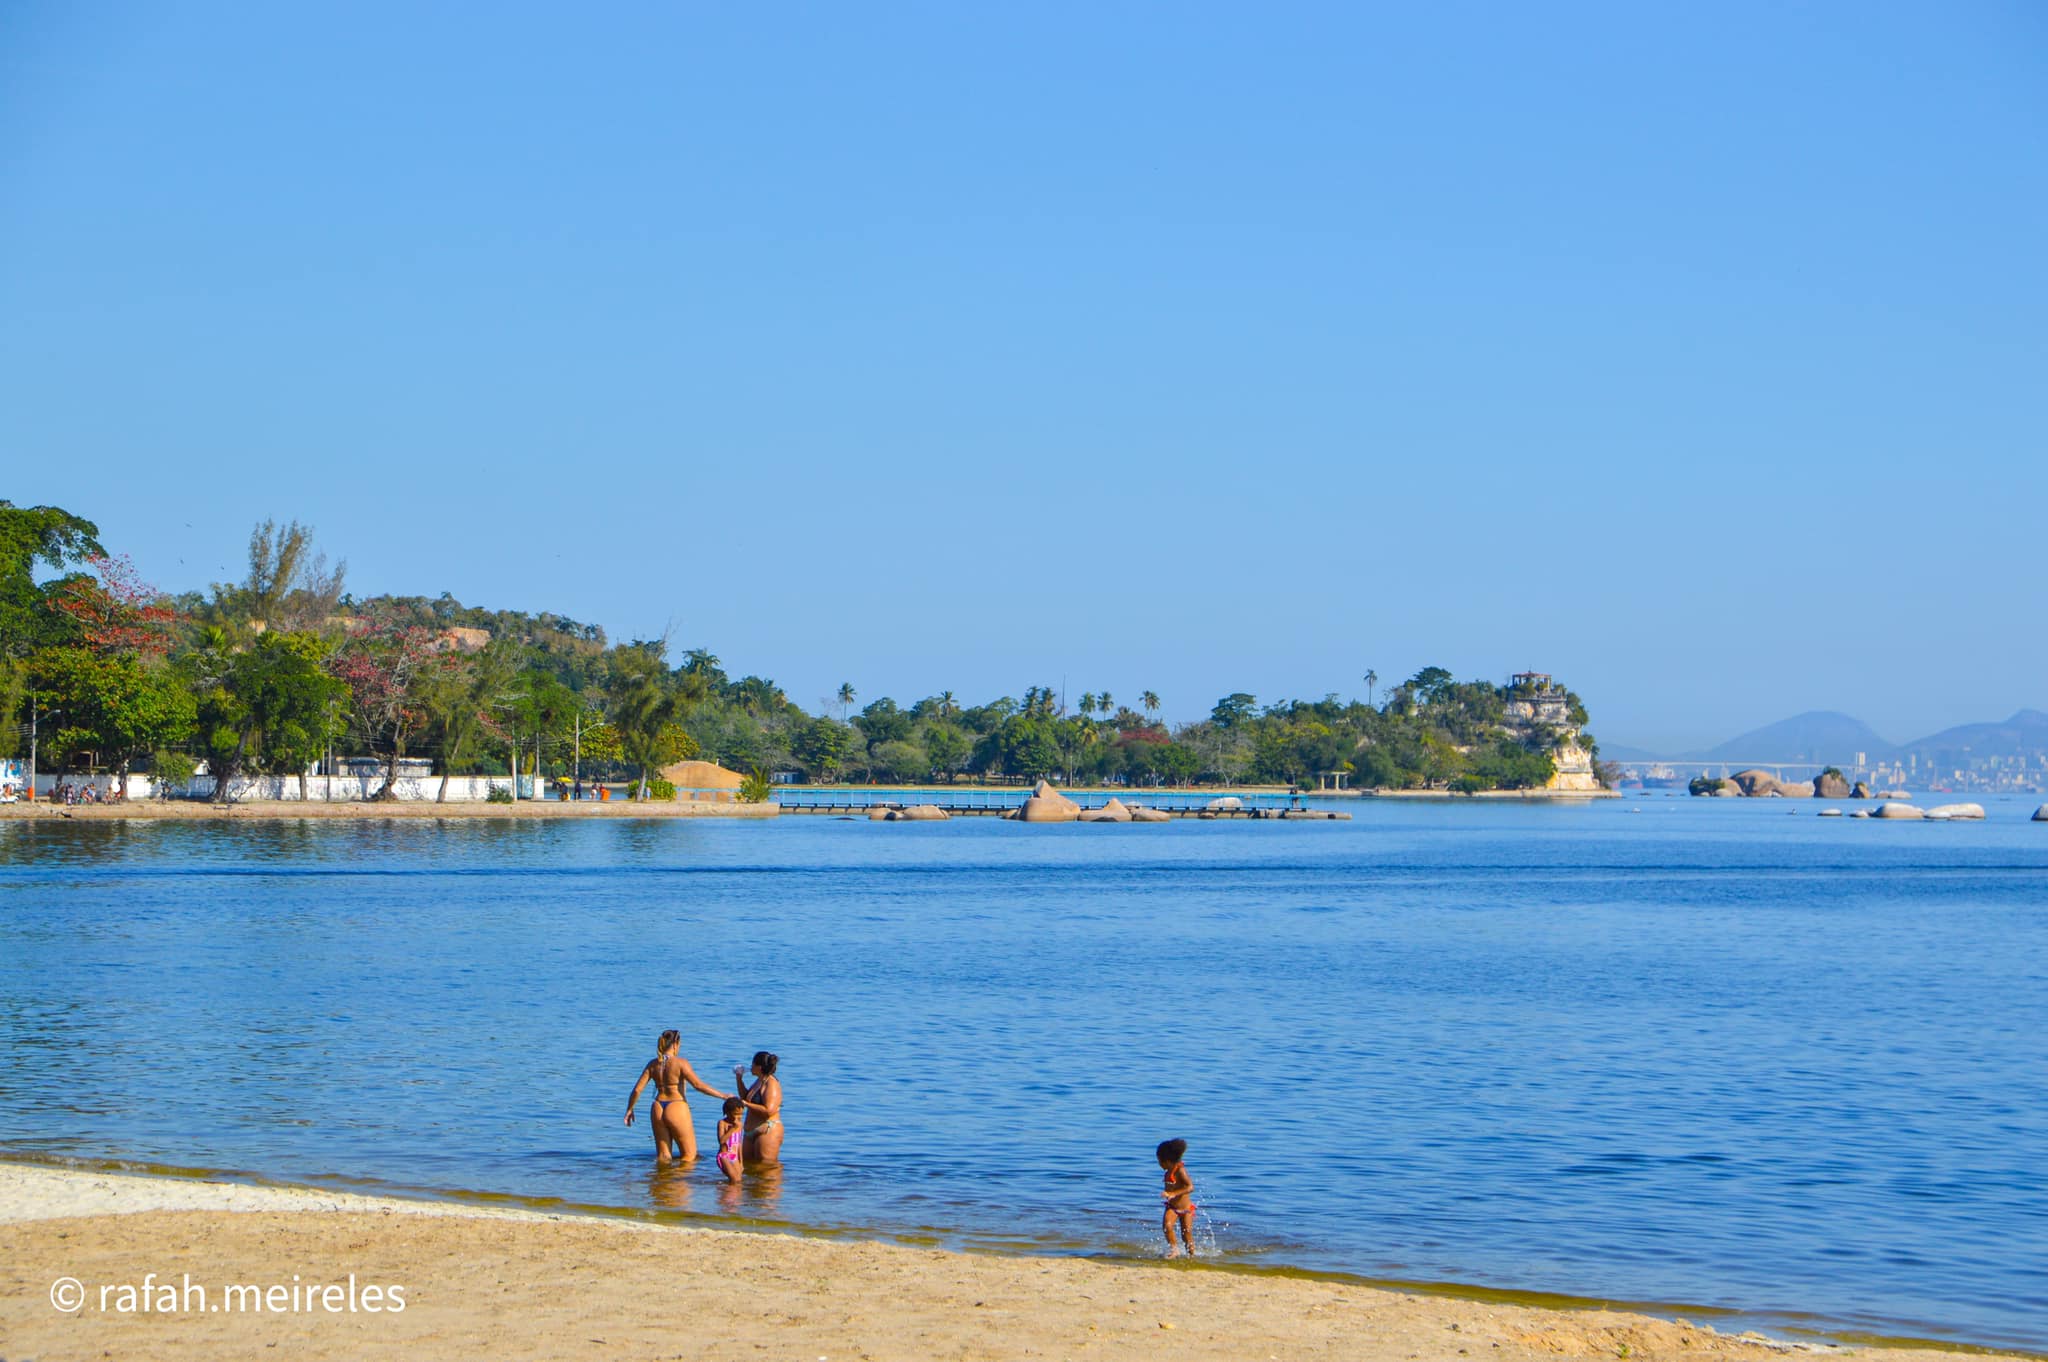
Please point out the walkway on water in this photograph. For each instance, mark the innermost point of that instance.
(999, 803)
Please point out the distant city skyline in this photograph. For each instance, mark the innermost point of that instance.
(1691, 357)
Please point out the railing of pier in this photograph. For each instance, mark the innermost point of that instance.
(1193, 801)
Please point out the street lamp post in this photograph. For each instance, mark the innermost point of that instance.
(32, 731)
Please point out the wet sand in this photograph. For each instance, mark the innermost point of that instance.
(520, 1284)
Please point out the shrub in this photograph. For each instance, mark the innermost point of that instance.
(173, 768)
(498, 794)
(755, 788)
(657, 788)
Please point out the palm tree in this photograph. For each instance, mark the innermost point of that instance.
(1105, 703)
(1087, 703)
(643, 704)
(1150, 700)
(845, 698)
(1372, 678)
(948, 707)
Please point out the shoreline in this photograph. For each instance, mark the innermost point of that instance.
(187, 810)
(485, 1272)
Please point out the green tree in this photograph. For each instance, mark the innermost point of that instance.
(30, 535)
(822, 746)
(459, 695)
(947, 748)
(115, 707)
(271, 706)
(900, 760)
(1232, 710)
(1030, 746)
(647, 707)
(288, 587)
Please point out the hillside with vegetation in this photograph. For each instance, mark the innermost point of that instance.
(285, 668)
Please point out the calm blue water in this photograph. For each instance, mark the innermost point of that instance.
(1712, 1053)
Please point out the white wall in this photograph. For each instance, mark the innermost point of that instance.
(335, 789)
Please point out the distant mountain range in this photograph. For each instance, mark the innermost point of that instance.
(1823, 736)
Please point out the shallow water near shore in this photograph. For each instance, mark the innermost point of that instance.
(1713, 1053)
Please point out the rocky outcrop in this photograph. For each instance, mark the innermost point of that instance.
(1830, 813)
(1047, 805)
(1956, 811)
(1862, 790)
(1794, 789)
(2041, 814)
(1831, 785)
(1755, 783)
(922, 813)
(1727, 789)
(1140, 814)
(1112, 812)
(1225, 804)
(1892, 794)
(1898, 811)
(1860, 813)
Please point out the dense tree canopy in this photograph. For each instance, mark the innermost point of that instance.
(265, 674)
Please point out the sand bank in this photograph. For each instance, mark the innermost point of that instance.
(399, 808)
(519, 1284)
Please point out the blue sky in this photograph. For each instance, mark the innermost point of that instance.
(1693, 354)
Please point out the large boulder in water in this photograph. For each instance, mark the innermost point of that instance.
(1831, 785)
(1047, 805)
(1225, 804)
(2041, 814)
(880, 814)
(1112, 812)
(922, 813)
(1956, 811)
(1755, 783)
(1140, 814)
(1862, 790)
(1898, 811)
(1796, 789)
(1727, 789)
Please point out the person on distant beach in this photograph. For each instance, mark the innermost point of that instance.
(764, 1109)
(670, 1114)
(1179, 1195)
(729, 1135)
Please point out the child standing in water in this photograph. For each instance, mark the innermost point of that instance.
(730, 1130)
(1179, 1196)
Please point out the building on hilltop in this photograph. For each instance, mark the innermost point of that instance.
(1535, 702)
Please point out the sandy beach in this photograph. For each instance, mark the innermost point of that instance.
(508, 1284)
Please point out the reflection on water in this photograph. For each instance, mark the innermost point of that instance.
(672, 1185)
(1707, 1054)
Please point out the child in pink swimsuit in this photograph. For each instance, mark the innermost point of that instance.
(730, 1132)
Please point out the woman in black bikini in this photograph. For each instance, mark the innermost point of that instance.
(670, 1114)
(764, 1110)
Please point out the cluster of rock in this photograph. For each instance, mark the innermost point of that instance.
(1758, 784)
(1940, 813)
(1047, 805)
(916, 813)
